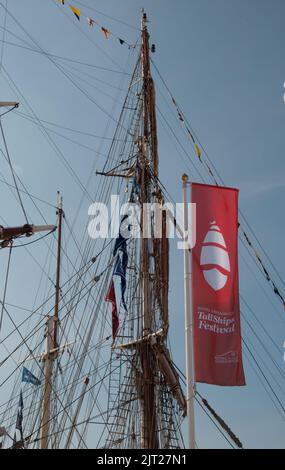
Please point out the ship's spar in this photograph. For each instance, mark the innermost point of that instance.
(8, 234)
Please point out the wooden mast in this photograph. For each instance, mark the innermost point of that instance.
(149, 438)
(60, 215)
(52, 346)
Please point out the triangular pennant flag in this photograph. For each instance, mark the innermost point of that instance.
(75, 11)
(198, 151)
(19, 421)
(21, 401)
(28, 377)
(106, 32)
(111, 297)
(121, 41)
(90, 21)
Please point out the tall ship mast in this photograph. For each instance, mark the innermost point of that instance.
(151, 387)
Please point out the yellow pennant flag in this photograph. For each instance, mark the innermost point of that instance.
(198, 151)
(75, 11)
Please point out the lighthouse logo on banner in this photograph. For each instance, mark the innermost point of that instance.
(214, 260)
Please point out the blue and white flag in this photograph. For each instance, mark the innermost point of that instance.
(120, 270)
(28, 377)
(120, 249)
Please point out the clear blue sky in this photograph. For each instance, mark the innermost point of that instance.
(224, 63)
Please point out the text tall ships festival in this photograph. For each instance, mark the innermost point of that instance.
(215, 287)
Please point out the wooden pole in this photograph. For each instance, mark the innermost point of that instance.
(148, 406)
(51, 341)
(60, 215)
(48, 361)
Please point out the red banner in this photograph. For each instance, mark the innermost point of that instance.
(111, 297)
(215, 291)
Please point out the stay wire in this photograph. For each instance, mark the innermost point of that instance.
(3, 181)
(109, 16)
(12, 171)
(35, 241)
(6, 285)
(184, 120)
(3, 37)
(57, 65)
(264, 376)
(68, 59)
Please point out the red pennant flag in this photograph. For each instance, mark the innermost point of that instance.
(215, 290)
(106, 32)
(111, 297)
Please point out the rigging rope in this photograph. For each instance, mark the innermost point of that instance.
(185, 124)
(3, 37)
(12, 171)
(264, 376)
(6, 285)
(221, 422)
(108, 16)
(82, 259)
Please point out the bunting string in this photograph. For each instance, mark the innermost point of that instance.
(92, 22)
(198, 151)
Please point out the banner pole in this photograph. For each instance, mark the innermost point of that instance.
(188, 321)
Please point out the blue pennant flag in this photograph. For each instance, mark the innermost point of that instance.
(28, 377)
(120, 270)
(121, 241)
(19, 421)
(121, 263)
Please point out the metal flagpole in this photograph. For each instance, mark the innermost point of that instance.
(188, 321)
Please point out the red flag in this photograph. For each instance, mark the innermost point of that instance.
(106, 32)
(215, 291)
(111, 297)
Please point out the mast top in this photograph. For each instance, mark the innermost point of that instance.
(185, 178)
(59, 201)
(144, 20)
